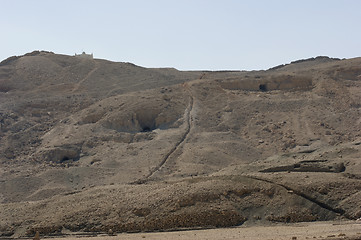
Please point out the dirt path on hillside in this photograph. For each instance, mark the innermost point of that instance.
(319, 230)
(77, 86)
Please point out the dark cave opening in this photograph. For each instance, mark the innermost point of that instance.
(263, 87)
(146, 129)
(69, 158)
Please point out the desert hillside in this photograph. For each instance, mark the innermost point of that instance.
(89, 145)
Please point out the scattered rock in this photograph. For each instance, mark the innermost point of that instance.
(37, 236)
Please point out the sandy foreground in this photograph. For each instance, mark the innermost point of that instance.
(319, 230)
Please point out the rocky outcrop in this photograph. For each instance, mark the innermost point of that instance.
(265, 83)
(309, 166)
(61, 154)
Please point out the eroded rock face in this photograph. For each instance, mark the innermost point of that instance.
(144, 119)
(309, 166)
(131, 113)
(60, 154)
(123, 120)
(267, 83)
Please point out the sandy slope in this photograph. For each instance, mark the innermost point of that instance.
(320, 230)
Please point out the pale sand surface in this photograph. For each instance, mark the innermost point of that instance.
(319, 230)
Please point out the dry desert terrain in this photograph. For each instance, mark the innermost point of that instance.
(89, 145)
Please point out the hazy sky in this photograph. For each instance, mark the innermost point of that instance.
(185, 34)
